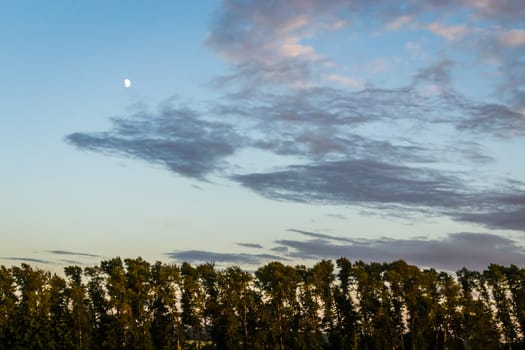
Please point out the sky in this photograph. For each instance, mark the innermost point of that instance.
(257, 131)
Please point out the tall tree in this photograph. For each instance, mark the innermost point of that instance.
(60, 325)
(78, 308)
(496, 279)
(31, 320)
(138, 297)
(192, 302)
(279, 284)
(345, 333)
(516, 280)
(166, 326)
(307, 318)
(477, 329)
(393, 277)
(8, 307)
(208, 279)
(370, 292)
(323, 278)
(98, 307)
(235, 307)
(119, 311)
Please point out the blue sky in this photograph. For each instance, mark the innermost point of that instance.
(257, 131)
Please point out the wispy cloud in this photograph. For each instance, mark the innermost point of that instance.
(393, 188)
(175, 138)
(448, 32)
(230, 258)
(65, 252)
(513, 37)
(347, 81)
(25, 259)
(250, 245)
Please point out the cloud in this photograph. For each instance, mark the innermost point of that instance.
(33, 260)
(506, 11)
(231, 258)
(323, 236)
(280, 249)
(438, 73)
(503, 208)
(513, 38)
(347, 81)
(175, 138)
(264, 40)
(395, 189)
(448, 32)
(72, 262)
(65, 252)
(293, 48)
(250, 245)
(452, 252)
(399, 22)
(494, 119)
(357, 181)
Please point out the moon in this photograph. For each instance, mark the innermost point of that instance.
(127, 83)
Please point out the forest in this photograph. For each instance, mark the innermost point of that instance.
(133, 304)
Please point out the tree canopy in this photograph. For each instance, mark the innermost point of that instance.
(133, 304)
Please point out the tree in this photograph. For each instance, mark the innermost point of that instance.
(477, 328)
(166, 325)
(345, 333)
(235, 308)
(208, 279)
(31, 318)
(307, 321)
(138, 297)
(192, 302)
(323, 278)
(98, 307)
(77, 308)
(496, 279)
(119, 308)
(279, 284)
(8, 307)
(516, 280)
(370, 291)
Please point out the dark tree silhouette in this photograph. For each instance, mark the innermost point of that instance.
(132, 304)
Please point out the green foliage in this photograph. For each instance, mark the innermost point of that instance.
(133, 304)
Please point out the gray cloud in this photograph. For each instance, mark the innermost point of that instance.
(323, 236)
(34, 260)
(71, 262)
(395, 188)
(233, 258)
(472, 250)
(505, 209)
(250, 245)
(65, 252)
(358, 181)
(280, 249)
(176, 138)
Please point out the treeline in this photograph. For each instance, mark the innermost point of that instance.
(133, 304)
